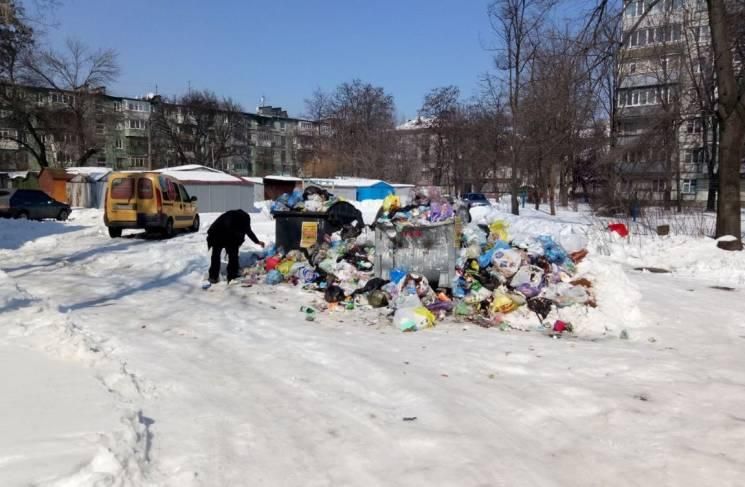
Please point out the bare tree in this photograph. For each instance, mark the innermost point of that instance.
(199, 127)
(517, 24)
(726, 24)
(360, 123)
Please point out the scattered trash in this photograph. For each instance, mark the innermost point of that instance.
(624, 335)
(619, 228)
(409, 418)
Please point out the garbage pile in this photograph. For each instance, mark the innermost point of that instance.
(312, 198)
(426, 208)
(499, 278)
(503, 282)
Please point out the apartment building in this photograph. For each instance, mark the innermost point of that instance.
(126, 133)
(665, 129)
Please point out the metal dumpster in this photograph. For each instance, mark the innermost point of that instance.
(428, 250)
(299, 229)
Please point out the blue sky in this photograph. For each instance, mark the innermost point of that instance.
(284, 49)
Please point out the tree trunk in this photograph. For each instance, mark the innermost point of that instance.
(514, 182)
(563, 187)
(732, 134)
(552, 188)
(711, 197)
(731, 118)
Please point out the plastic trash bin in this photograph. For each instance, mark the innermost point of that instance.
(299, 229)
(427, 250)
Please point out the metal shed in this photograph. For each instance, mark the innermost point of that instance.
(354, 189)
(275, 186)
(216, 191)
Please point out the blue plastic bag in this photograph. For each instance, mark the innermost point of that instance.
(295, 198)
(274, 277)
(397, 274)
(551, 250)
(486, 257)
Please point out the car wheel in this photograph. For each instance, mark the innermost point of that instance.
(115, 232)
(169, 231)
(22, 215)
(195, 225)
(63, 214)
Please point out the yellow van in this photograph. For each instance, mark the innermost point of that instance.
(148, 200)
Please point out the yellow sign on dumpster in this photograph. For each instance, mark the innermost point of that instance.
(308, 234)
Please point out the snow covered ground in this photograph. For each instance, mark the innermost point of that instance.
(119, 370)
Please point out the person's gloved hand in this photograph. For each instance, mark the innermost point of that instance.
(262, 244)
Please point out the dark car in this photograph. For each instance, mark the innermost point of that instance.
(31, 204)
(475, 199)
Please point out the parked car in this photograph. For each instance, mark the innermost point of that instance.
(31, 204)
(148, 200)
(475, 199)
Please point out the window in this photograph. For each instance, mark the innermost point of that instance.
(283, 156)
(632, 68)
(694, 126)
(100, 129)
(658, 185)
(137, 106)
(283, 141)
(183, 193)
(688, 186)
(676, 32)
(7, 133)
(144, 188)
(60, 98)
(122, 188)
(282, 125)
(133, 123)
(119, 144)
(5, 113)
(117, 106)
(137, 161)
(659, 34)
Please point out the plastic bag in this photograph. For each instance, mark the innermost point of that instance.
(397, 274)
(295, 199)
(564, 294)
(271, 263)
(274, 277)
(528, 275)
(472, 234)
(413, 319)
(391, 202)
(498, 228)
(507, 262)
(285, 267)
(501, 303)
(314, 203)
(552, 251)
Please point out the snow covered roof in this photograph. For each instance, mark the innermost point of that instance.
(253, 180)
(417, 123)
(345, 182)
(194, 173)
(283, 178)
(93, 172)
(402, 185)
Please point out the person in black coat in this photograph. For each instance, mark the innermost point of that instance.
(227, 232)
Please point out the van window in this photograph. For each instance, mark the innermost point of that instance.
(122, 188)
(144, 188)
(184, 194)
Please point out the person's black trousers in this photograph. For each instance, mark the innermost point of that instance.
(232, 251)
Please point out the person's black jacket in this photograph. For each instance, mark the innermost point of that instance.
(229, 229)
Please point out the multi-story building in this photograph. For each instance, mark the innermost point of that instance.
(123, 134)
(664, 123)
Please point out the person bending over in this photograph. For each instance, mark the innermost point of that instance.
(227, 232)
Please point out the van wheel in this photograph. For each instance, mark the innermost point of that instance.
(168, 230)
(63, 215)
(115, 232)
(195, 225)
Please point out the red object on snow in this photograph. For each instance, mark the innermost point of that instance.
(560, 326)
(271, 263)
(619, 228)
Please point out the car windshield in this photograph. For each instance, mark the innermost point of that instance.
(476, 197)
